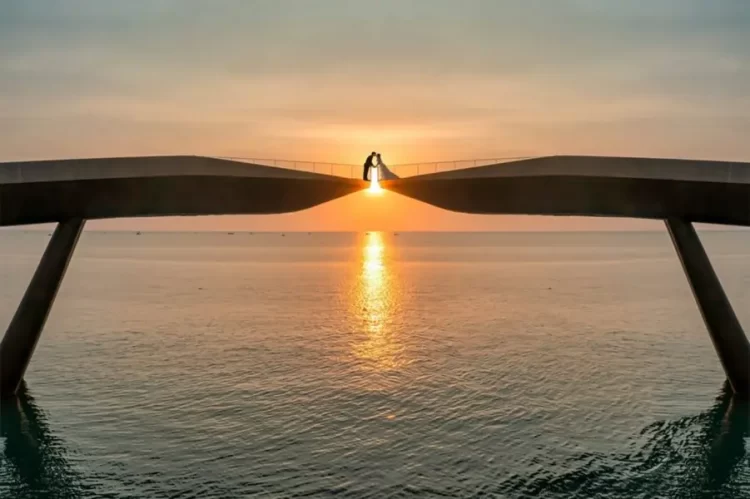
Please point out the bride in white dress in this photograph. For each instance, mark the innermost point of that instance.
(383, 172)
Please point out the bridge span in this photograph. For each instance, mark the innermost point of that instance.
(70, 192)
(51, 191)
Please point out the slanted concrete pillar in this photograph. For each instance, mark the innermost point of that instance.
(23, 333)
(725, 330)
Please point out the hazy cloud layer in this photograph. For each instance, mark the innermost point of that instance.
(419, 80)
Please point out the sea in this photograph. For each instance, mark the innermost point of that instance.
(375, 365)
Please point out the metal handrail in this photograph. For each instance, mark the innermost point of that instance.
(435, 166)
(328, 168)
(348, 170)
(475, 161)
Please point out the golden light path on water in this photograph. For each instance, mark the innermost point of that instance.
(376, 303)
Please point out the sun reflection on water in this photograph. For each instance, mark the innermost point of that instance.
(375, 301)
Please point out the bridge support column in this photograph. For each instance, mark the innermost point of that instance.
(725, 330)
(24, 330)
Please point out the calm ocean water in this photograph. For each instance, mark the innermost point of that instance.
(375, 365)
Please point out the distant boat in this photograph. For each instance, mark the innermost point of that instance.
(138, 233)
(230, 233)
(283, 235)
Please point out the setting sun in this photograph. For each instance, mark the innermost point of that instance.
(374, 184)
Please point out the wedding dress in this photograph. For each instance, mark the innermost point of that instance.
(383, 172)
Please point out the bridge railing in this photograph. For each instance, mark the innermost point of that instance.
(335, 169)
(414, 169)
(355, 171)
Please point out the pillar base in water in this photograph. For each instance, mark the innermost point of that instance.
(725, 330)
(27, 324)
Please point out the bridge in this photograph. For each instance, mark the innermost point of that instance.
(69, 192)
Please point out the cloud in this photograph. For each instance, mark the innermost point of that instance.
(484, 75)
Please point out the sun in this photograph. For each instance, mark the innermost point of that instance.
(374, 184)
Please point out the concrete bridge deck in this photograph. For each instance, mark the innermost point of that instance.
(48, 191)
(71, 191)
(696, 191)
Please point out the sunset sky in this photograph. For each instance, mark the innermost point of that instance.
(332, 80)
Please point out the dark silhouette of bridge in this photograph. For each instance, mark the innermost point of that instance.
(69, 192)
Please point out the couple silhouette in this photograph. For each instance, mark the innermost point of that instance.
(375, 161)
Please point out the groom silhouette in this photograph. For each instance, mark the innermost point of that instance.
(368, 165)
